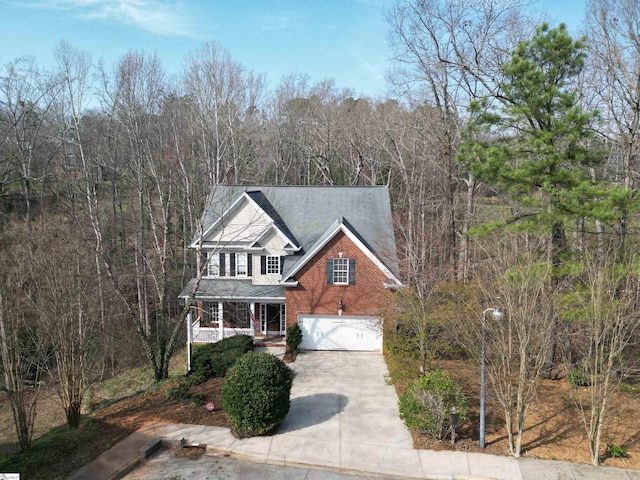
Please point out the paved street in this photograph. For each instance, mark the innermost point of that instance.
(213, 467)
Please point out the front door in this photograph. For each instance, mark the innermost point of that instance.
(272, 319)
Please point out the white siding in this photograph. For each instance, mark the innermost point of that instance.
(273, 243)
(244, 225)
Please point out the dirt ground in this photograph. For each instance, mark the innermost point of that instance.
(554, 429)
(125, 416)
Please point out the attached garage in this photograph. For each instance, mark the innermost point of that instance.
(325, 332)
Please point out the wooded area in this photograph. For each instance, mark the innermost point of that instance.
(509, 147)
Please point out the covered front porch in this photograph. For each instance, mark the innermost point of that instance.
(211, 321)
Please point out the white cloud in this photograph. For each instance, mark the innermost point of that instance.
(156, 16)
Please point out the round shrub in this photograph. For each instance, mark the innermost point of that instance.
(426, 404)
(294, 337)
(256, 394)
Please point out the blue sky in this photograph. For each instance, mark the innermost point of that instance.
(340, 39)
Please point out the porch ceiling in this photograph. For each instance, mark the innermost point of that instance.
(228, 289)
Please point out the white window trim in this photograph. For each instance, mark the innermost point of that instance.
(214, 313)
(244, 256)
(213, 264)
(342, 272)
(270, 270)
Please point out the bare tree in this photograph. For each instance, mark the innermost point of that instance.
(20, 348)
(613, 28)
(516, 279)
(603, 310)
(61, 273)
(446, 53)
(225, 99)
(26, 95)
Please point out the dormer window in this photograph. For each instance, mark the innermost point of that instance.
(273, 265)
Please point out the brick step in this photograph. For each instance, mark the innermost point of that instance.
(270, 341)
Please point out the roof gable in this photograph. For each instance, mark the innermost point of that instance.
(342, 225)
(245, 222)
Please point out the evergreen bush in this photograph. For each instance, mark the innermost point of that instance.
(294, 337)
(179, 391)
(214, 359)
(256, 394)
(426, 404)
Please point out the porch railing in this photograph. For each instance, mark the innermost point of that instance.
(212, 335)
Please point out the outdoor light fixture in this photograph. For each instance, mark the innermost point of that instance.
(341, 307)
(497, 314)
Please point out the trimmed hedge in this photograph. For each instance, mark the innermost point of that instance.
(214, 359)
(256, 394)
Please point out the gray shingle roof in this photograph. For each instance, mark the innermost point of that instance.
(230, 289)
(306, 212)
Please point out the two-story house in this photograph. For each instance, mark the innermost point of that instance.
(321, 256)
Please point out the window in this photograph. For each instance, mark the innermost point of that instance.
(214, 313)
(237, 314)
(213, 265)
(273, 265)
(341, 271)
(241, 264)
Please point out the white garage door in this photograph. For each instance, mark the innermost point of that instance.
(320, 332)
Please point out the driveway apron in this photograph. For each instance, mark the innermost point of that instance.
(344, 415)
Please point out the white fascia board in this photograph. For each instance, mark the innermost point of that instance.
(273, 225)
(246, 299)
(369, 254)
(393, 286)
(220, 247)
(224, 214)
(290, 284)
(258, 238)
(279, 232)
(341, 227)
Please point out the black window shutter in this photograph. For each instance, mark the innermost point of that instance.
(263, 264)
(204, 262)
(222, 272)
(232, 264)
(249, 264)
(281, 265)
(329, 271)
(352, 271)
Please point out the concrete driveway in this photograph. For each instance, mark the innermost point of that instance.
(344, 415)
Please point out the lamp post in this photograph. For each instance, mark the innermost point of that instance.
(497, 314)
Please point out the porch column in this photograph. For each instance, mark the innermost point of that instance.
(252, 310)
(220, 320)
(189, 338)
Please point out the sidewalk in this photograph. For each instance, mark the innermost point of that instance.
(401, 461)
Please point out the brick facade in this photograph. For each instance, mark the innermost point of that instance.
(314, 296)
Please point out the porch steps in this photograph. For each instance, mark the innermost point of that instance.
(270, 341)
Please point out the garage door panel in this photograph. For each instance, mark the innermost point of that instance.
(340, 333)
